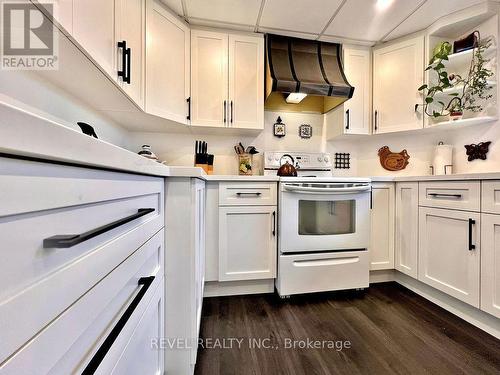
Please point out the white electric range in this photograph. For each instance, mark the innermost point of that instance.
(323, 226)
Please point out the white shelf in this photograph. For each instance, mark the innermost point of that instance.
(463, 59)
(458, 89)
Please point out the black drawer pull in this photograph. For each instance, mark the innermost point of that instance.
(108, 342)
(243, 193)
(435, 195)
(274, 223)
(62, 241)
(471, 245)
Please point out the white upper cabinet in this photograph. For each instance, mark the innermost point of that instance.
(94, 29)
(449, 252)
(227, 80)
(209, 78)
(406, 247)
(398, 72)
(167, 64)
(357, 69)
(130, 30)
(382, 227)
(61, 10)
(246, 83)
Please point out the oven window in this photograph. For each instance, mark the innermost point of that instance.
(318, 218)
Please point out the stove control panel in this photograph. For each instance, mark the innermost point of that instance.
(301, 160)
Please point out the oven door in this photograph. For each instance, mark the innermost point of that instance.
(319, 216)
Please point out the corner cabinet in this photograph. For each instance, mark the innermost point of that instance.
(382, 226)
(167, 64)
(449, 252)
(406, 246)
(398, 72)
(227, 80)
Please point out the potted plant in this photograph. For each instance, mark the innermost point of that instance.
(469, 89)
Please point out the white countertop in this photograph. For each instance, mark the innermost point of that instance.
(240, 178)
(452, 177)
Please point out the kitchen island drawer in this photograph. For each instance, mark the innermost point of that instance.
(103, 215)
(102, 323)
(490, 197)
(459, 195)
(247, 193)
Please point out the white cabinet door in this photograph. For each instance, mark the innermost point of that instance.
(247, 243)
(406, 247)
(398, 72)
(131, 28)
(382, 227)
(246, 82)
(61, 10)
(209, 78)
(199, 254)
(449, 252)
(357, 109)
(94, 29)
(167, 64)
(490, 264)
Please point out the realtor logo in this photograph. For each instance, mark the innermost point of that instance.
(29, 38)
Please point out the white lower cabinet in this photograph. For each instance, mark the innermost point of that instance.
(184, 272)
(490, 264)
(382, 226)
(247, 242)
(449, 252)
(406, 246)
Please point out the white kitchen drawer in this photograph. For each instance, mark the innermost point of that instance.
(71, 341)
(247, 193)
(41, 200)
(459, 195)
(490, 197)
(307, 273)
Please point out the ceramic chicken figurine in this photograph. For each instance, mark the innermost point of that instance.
(393, 161)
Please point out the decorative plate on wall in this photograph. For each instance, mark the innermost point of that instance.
(393, 161)
(305, 131)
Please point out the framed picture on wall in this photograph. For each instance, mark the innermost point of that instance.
(305, 131)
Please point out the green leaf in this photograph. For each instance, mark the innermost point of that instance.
(429, 100)
(422, 87)
(454, 94)
(440, 66)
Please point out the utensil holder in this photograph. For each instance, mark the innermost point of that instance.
(245, 164)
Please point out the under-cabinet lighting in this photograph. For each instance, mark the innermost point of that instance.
(295, 97)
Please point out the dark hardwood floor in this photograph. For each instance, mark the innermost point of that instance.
(391, 330)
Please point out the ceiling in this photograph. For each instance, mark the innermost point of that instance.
(357, 21)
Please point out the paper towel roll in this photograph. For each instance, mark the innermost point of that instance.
(443, 159)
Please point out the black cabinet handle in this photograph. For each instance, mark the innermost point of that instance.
(376, 120)
(471, 245)
(445, 195)
(68, 240)
(98, 357)
(188, 100)
(348, 119)
(123, 73)
(274, 223)
(231, 111)
(128, 52)
(243, 193)
(224, 111)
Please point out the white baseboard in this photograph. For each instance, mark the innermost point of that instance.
(235, 288)
(382, 276)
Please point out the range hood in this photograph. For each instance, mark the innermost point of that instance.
(303, 66)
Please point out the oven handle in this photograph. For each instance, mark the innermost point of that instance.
(325, 262)
(305, 189)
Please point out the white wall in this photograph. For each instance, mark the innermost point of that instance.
(178, 149)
